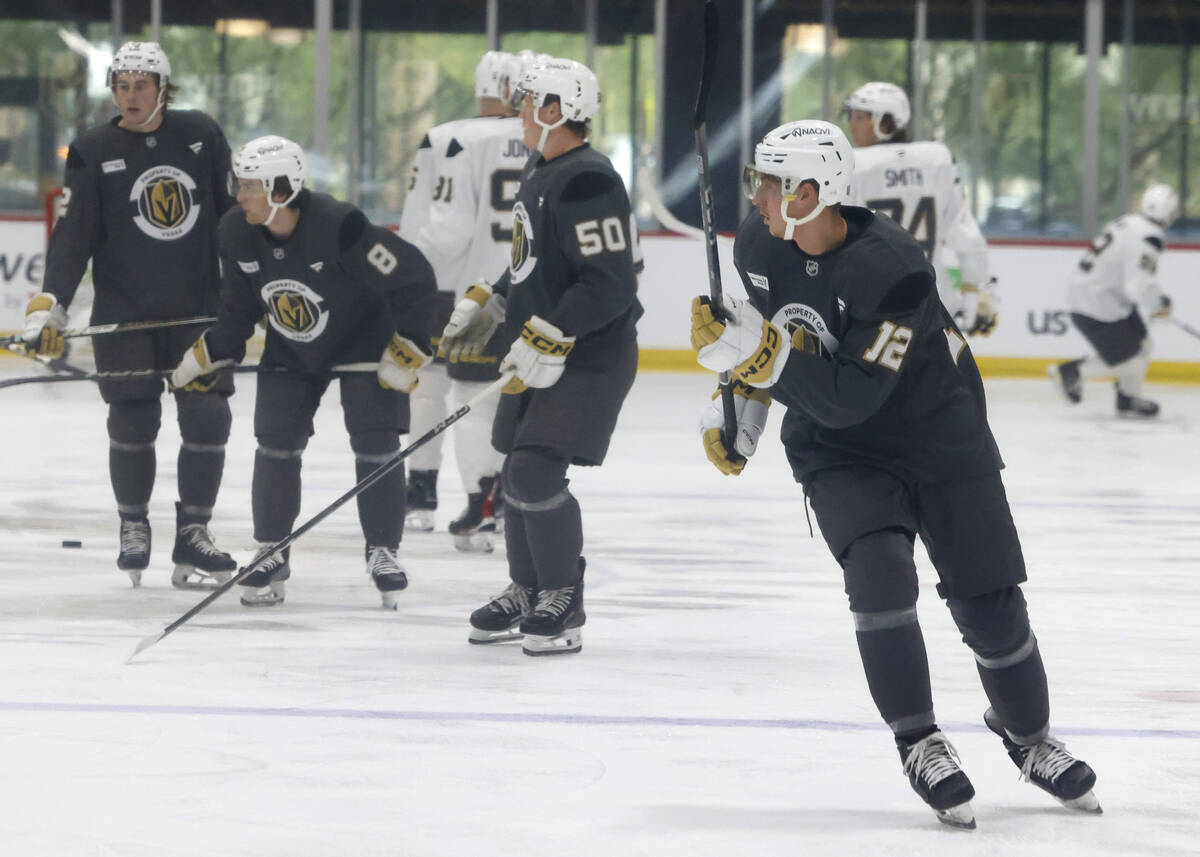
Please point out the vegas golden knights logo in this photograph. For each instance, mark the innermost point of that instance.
(295, 310)
(522, 261)
(165, 203)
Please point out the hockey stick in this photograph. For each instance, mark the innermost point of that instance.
(708, 67)
(336, 372)
(117, 327)
(1186, 328)
(369, 480)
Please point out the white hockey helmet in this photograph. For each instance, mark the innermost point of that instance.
(492, 75)
(571, 82)
(269, 158)
(523, 61)
(141, 58)
(797, 152)
(881, 99)
(1161, 204)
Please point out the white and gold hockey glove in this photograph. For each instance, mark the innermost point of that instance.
(195, 364)
(746, 345)
(980, 309)
(399, 364)
(472, 323)
(750, 408)
(538, 358)
(44, 321)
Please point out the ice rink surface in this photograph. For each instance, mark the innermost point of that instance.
(717, 709)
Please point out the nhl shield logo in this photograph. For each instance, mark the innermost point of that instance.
(811, 268)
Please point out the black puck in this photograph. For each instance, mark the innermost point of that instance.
(72, 543)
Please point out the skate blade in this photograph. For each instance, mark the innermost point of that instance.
(267, 596)
(567, 643)
(421, 522)
(480, 637)
(191, 578)
(960, 817)
(475, 543)
(135, 576)
(1084, 803)
(388, 600)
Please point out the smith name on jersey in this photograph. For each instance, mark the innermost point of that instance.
(144, 209)
(333, 292)
(897, 387)
(575, 253)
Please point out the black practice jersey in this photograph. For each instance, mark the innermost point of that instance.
(144, 208)
(573, 253)
(333, 292)
(899, 388)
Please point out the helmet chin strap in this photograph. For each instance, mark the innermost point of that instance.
(275, 206)
(881, 136)
(162, 98)
(793, 222)
(546, 128)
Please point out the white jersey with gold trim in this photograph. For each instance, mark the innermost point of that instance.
(1119, 271)
(917, 185)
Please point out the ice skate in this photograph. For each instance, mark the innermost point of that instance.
(933, 770)
(199, 564)
(497, 621)
(555, 624)
(474, 531)
(387, 574)
(1135, 406)
(135, 548)
(1050, 767)
(1069, 381)
(421, 500)
(264, 586)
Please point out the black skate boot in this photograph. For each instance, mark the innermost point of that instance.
(1070, 382)
(199, 564)
(387, 574)
(421, 500)
(264, 586)
(497, 621)
(1049, 766)
(474, 530)
(1135, 406)
(553, 626)
(135, 548)
(934, 772)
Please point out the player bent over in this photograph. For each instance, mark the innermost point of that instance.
(569, 305)
(335, 290)
(1114, 284)
(885, 427)
(143, 195)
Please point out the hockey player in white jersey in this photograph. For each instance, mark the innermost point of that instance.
(1112, 287)
(917, 185)
(459, 214)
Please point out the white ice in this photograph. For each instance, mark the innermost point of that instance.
(717, 709)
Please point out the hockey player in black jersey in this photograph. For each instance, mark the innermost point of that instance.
(143, 196)
(886, 428)
(336, 290)
(569, 304)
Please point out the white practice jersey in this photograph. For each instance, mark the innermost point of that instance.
(917, 185)
(1119, 271)
(462, 220)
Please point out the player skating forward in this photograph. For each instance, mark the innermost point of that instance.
(335, 290)
(569, 305)
(917, 185)
(885, 427)
(143, 195)
(1114, 284)
(459, 214)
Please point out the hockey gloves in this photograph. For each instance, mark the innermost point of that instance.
(1160, 313)
(196, 363)
(44, 320)
(745, 344)
(980, 309)
(474, 320)
(750, 406)
(538, 358)
(399, 364)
